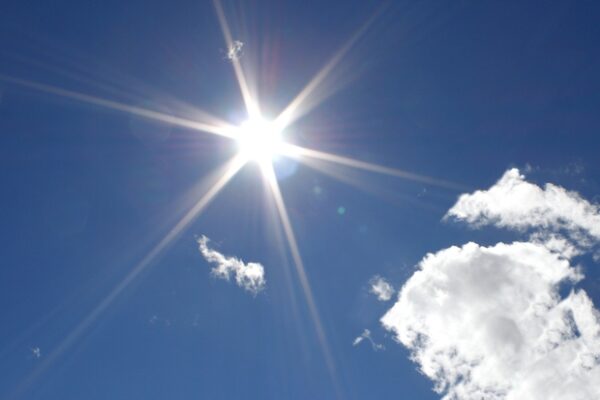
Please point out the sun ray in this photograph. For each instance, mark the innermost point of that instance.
(230, 170)
(303, 102)
(259, 141)
(305, 155)
(217, 127)
(251, 104)
(386, 193)
(271, 179)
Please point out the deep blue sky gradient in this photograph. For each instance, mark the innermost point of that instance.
(458, 91)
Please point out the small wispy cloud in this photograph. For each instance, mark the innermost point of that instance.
(36, 352)
(234, 51)
(250, 276)
(381, 288)
(366, 335)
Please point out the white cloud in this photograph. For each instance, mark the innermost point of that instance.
(489, 322)
(234, 51)
(514, 203)
(381, 288)
(366, 335)
(558, 244)
(36, 352)
(249, 276)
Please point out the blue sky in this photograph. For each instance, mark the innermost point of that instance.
(496, 97)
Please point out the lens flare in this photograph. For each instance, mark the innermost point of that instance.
(259, 140)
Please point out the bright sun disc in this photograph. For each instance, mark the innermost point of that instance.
(259, 140)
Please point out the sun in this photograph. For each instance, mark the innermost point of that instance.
(259, 140)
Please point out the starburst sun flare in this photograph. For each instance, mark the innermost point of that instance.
(258, 140)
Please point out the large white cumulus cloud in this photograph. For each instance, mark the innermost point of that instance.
(489, 322)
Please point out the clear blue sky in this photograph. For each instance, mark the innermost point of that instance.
(458, 91)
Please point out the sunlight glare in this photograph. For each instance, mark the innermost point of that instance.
(259, 140)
